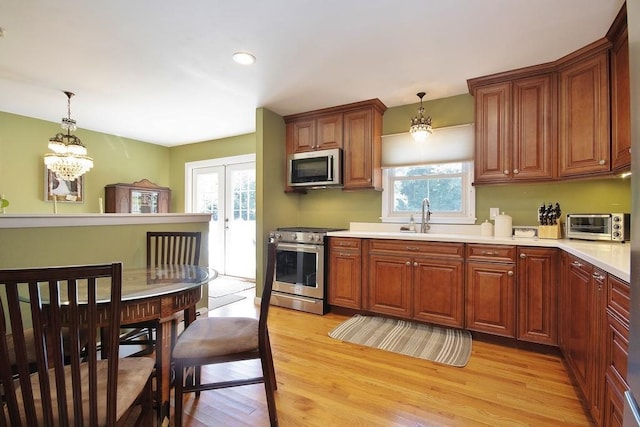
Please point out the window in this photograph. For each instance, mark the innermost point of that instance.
(446, 185)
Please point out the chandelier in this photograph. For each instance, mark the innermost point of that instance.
(68, 159)
(420, 125)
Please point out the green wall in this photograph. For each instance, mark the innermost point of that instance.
(179, 155)
(44, 246)
(23, 143)
(275, 208)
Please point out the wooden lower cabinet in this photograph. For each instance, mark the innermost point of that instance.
(491, 298)
(389, 286)
(582, 301)
(535, 294)
(491, 289)
(438, 291)
(417, 280)
(538, 294)
(616, 348)
(345, 273)
(614, 401)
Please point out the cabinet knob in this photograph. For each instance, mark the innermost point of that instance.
(415, 264)
(516, 171)
(601, 162)
(506, 172)
(576, 264)
(523, 256)
(509, 273)
(408, 263)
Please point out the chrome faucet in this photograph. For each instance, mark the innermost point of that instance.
(426, 215)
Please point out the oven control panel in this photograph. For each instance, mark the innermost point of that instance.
(296, 237)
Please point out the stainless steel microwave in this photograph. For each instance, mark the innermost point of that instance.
(322, 168)
(614, 227)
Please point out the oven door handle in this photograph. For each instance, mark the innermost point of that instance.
(299, 247)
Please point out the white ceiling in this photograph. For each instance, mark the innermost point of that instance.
(161, 71)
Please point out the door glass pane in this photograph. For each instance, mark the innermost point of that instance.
(208, 199)
(241, 220)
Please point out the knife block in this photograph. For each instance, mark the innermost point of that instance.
(549, 231)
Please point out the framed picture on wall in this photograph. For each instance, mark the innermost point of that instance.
(61, 190)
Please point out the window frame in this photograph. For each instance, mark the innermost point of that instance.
(467, 216)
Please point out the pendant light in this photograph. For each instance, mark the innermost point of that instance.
(68, 159)
(420, 125)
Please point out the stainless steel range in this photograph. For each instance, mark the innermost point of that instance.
(300, 272)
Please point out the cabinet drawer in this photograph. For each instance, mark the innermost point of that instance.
(619, 297)
(492, 253)
(412, 247)
(617, 345)
(344, 243)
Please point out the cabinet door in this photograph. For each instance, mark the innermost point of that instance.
(438, 291)
(490, 299)
(390, 285)
(577, 304)
(329, 132)
(537, 295)
(614, 401)
(584, 117)
(362, 149)
(302, 134)
(345, 273)
(598, 343)
(493, 131)
(620, 104)
(534, 141)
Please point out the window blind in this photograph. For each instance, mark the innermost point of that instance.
(444, 145)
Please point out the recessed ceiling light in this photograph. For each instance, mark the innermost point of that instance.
(244, 58)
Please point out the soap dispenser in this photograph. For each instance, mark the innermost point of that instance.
(412, 224)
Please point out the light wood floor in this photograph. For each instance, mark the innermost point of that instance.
(324, 382)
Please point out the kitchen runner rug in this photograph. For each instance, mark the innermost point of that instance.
(443, 345)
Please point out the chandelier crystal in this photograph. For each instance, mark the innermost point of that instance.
(420, 125)
(68, 158)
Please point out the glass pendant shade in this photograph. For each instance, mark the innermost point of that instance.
(420, 125)
(68, 159)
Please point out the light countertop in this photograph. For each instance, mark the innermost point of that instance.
(612, 257)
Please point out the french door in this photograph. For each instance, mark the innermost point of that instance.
(226, 188)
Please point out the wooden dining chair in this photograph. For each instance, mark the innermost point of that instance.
(173, 248)
(211, 340)
(95, 388)
(164, 248)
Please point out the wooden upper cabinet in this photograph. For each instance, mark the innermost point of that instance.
(515, 127)
(534, 128)
(620, 94)
(310, 134)
(584, 112)
(329, 132)
(363, 149)
(302, 135)
(356, 128)
(493, 122)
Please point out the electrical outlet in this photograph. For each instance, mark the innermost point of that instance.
(494, 212)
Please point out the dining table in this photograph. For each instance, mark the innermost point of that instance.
(156, 294)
